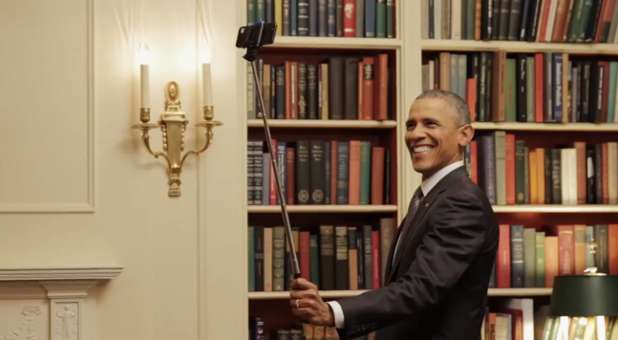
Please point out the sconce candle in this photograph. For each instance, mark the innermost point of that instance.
(144, 86)
(206, 84)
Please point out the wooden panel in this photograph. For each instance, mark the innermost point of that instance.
(46, 110)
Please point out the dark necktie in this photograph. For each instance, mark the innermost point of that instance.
(414, 204)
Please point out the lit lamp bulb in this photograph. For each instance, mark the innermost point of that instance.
(207, 95)
(144, 75)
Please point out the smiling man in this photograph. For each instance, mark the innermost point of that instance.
(441, 259)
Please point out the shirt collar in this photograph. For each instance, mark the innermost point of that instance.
(431, 182)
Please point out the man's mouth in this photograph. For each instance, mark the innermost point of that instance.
(419, 149)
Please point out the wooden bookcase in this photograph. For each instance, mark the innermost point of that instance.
(407, 51)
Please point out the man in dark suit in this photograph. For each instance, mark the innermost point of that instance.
(441, 259)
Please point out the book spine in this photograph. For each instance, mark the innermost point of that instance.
(540, 259)
(367, 257)
(302, 91)
(318, 181)
(251, 257)
(259, 259)
(377, 175)
(517, 256)
(349, 18)
(380, 19)
(314, 263)
(290, 176)
(327, 257)
(375, 254)
(365, 172)
(336, 88)
(354, 173)
(503, 258)
(313, 18)
(350, 89)
(303, 172)
(341, 258)
(529, 257)
(343, 159)
(352, 258)
(370, 18)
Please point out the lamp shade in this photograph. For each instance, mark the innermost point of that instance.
(584, 295)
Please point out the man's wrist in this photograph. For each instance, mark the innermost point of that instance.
(336, 313)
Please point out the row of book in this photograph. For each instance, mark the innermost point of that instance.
(337, 87)
(522, 20)
(511, 173)
(319, 172)
(333, 257)
(540, 87)
(327, 18)
(533, 257)
(258, 330)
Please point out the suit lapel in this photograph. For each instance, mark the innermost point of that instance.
(416, 222)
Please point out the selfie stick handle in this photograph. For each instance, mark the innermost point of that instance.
(273, 162)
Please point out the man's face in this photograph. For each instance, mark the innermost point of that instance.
(434, 136)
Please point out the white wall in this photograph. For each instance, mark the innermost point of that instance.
(77, 188)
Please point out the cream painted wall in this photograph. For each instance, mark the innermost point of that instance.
(174, 284)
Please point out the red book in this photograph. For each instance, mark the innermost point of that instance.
(509, 162)
(381, 90)
(612, 249)
(290, 177)
(560, 20)
(566, 250)
(543, 21)
(354, 173)
(503, 257)
(375, 259)
(333, 172)
(539, 87)
(580, 150)
(471, 97)
(349, 18)
(605, 19)
(377, 175)
(304, 255)
(367, 79)
(474, 161)
(273, 184)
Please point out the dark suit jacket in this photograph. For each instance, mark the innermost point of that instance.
(436, 288)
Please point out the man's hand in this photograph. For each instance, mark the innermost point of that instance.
(307, 304)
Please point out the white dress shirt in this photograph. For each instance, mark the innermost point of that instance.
(426, 187)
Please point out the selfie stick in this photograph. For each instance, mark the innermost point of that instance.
(250, 56)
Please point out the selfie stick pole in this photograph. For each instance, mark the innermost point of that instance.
(250, 57)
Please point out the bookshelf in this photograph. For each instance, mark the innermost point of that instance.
(386, 133)
(555, 220)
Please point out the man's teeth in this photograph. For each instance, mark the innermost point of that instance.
(423, 148)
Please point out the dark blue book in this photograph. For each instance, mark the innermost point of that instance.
(339, 17)
(487, 166)
(331, 13)
(370, 18)
(517, 256)
(557, 88)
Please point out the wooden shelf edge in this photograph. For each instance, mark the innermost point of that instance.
(268, 209)
(324, 124)
(333, 294)
(517, 46)
(556, 208)
(584, 127)
(335, 43)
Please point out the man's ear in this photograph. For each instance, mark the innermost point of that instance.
(466, 133)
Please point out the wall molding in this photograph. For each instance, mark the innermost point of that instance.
(74, 207)
(52, 274)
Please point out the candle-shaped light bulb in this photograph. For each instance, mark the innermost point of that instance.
(144, 86)
(207, 85)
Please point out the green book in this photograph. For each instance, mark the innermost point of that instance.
(390, 16)
(590, 247)
(314, 262)
(613, 78)
(500, 168)
(540, 259)
(530, 89)
(510, 94)
(365, 172)
(601, 234)
(251, 258)
(381, 19)
(576, 19)
(251, 11)
(529, 257)
(517, 256)
(586, 17)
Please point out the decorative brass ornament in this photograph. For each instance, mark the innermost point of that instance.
(173, 123)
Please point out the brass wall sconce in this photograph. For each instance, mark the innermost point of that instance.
(173, 123)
